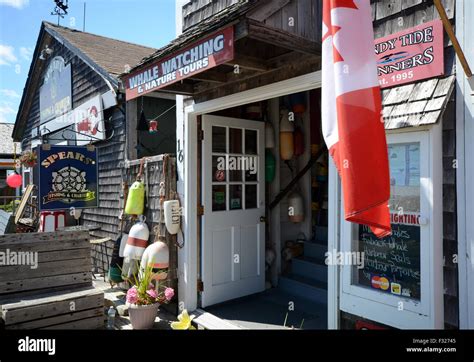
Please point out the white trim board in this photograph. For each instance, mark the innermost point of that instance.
(465, 169)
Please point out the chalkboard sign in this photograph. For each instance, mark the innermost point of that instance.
(391, 264)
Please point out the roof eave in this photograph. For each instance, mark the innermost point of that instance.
(16, 128)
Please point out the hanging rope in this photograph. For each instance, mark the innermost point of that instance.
(140, 171)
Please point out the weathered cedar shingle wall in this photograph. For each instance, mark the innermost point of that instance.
(111, 204)
(198, 10)
(111, 157)
(298, 17)
(86, 83)
(154, 173)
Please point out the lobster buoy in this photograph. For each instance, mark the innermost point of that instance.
(286, 136)
(298, 102)
(137, 241)
(269, 135)
(254, 111)
(136, 199)
(172, 216)
(158, 255)
(116, 263)
(298, 142)
(270, 166)
(296, 208)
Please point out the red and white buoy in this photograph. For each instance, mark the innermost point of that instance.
(137, 240)
(158, 256)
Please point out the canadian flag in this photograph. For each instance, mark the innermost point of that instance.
(351, 113)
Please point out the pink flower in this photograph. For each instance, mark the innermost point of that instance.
(169, 293)
(152, 293)
(132, 295)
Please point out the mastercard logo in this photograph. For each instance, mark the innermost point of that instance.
(380, 282)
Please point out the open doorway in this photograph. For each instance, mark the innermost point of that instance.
(264, 232)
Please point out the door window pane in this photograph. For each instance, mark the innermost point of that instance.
(250, 142)
(235, 199)
(392, 264)
(218, 168)
(218, 197)
(250, 196)
(235, 140)
(219, 139)
(251, 168)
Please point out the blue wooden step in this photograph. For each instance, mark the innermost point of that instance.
(304, 287)
(315, 250)
(310, 268)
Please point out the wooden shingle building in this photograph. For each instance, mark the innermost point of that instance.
(238, 68)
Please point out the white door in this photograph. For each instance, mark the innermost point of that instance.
(233, 231)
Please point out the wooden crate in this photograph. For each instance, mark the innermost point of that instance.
(83, 309)
(56, 294)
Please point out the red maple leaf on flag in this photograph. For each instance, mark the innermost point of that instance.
(328, 6)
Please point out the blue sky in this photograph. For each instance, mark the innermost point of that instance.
(147, 22)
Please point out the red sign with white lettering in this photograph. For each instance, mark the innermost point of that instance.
(198, 57)
(411, 55)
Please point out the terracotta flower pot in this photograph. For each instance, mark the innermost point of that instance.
(143, 316)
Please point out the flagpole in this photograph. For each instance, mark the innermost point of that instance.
(449, 29)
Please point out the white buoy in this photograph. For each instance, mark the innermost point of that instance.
(158, 255)
(172, 216)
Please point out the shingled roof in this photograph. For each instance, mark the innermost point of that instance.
(108, 57)
(417, 104)
(111, 55)
(213, 23)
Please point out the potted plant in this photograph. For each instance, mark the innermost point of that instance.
(144, 298)
(28, 158)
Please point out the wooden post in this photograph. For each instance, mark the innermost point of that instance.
(449, 29)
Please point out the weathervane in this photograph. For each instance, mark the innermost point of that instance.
(60, 9)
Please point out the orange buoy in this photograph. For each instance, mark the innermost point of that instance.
(286, 136)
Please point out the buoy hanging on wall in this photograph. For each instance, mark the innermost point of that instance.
(172, 216)
(137, 240)
(254, 111)
(269, 135)
(270, 166)
(286, 136)
(298, 142)
(136, 199)
(298, 102)
(158, 255)
(295, 207)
